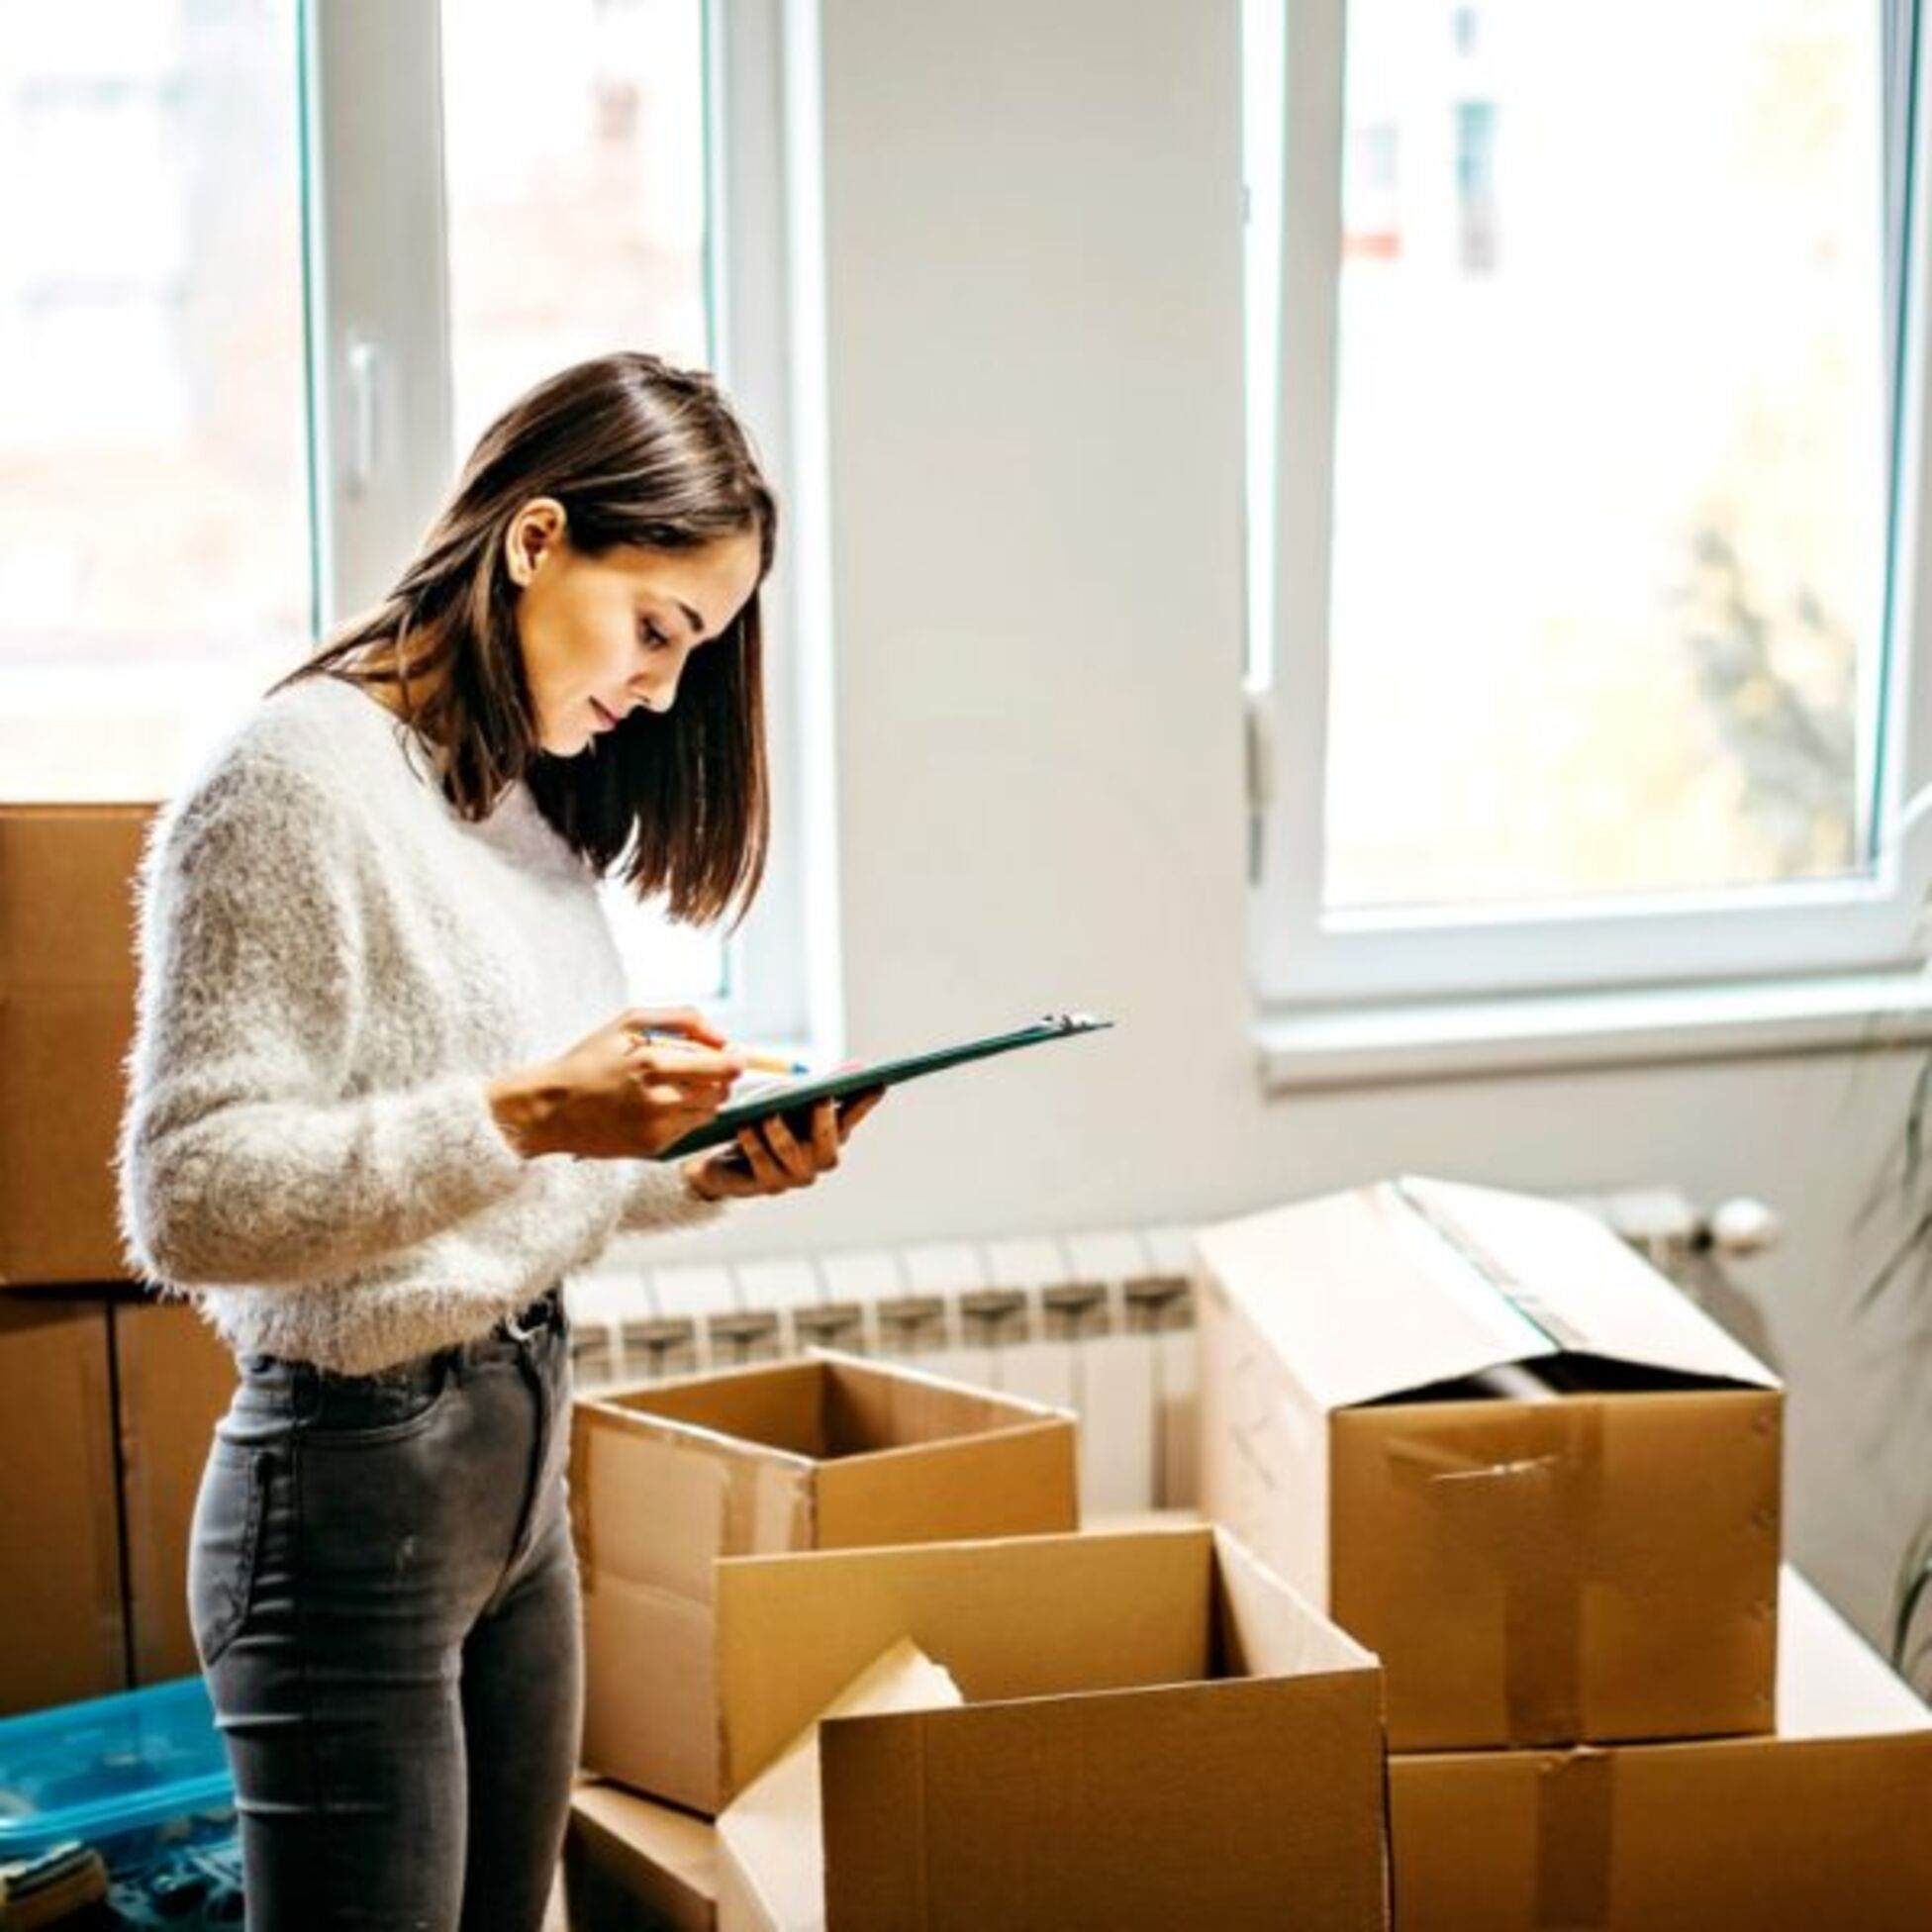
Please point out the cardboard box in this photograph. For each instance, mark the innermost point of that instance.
(1531, 1567)
(1823, 1824)
(633, 1865)
(1156, 1732)
(66, 1017)
(61, 1637)
(173, 1379)
(830, 1452)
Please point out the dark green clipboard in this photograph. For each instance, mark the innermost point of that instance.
(797, 1097)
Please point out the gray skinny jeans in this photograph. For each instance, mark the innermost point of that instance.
(384, 1598)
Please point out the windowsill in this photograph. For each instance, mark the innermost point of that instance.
(1470, 1038)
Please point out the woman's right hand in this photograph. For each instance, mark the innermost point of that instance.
(616, 1095)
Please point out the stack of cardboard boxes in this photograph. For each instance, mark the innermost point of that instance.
(107, 1400)
(827, 1602)
(1543, 1488)
(845, 1609)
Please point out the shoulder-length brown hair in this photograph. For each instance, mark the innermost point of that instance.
(676, 802)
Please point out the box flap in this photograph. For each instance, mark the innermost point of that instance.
(1406, 1283)
(1265, 1630)
(1585, 1288)
(1007, 1482)
(1015, 1618)
(629, 1855)
(770, 1837)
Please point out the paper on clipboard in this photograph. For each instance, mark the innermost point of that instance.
(795, 1095)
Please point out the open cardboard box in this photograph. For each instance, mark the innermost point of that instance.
(830, 1452)
(1585, 1552)
(1154, 1732)
(1823, 1824)
(66, 1016)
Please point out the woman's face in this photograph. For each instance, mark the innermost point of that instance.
(602, 635)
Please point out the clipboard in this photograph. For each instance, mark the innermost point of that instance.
(799, 1096)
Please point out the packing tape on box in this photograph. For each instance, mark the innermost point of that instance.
(1531, 1515)
(1574, 1833)
(1549, 1323)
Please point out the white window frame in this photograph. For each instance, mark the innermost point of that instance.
(380, 386)
(1306, 958)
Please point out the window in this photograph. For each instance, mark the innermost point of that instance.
(281, 264)
(1583, 510)
(154, 510)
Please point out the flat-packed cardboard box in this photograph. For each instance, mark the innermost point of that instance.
(1823, 1824)
(66, 1016)
(174, 1379)
(1155, 1732)
(61, 1637)
(830, 1452)
(633, 1865)
(1584, 1553)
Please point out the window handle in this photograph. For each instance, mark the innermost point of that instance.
(1259, 720)
(364, 361)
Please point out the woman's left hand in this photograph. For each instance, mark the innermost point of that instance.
(769, 1158)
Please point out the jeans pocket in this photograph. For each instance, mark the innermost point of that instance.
(366, 1411)
(226, 1545)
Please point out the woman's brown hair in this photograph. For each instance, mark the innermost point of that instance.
(639, 453)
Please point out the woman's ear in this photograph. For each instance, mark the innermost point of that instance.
(536, 531)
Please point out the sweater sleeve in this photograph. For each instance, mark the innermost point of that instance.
(244, 1157)
(659, 1197)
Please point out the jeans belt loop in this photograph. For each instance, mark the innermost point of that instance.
(305, 1391)
(549, 1309)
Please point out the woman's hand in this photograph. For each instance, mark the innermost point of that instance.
(769, 1158)
(613, 1095)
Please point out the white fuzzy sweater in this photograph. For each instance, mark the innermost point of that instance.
(334, 965)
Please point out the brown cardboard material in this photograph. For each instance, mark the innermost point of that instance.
(61, 1637)
(631, 1864)
(175, 1376)
(66, 1016)
(826, 1453)
(1821, 1825)
(771, 1866)
(1156, 1732)
(1531, 1567)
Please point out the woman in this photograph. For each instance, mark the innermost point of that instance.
(360, 1132)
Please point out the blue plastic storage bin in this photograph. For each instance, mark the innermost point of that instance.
(133, 1776)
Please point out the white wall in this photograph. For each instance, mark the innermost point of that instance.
(1035, 425)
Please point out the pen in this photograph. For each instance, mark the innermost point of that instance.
(754, 1061)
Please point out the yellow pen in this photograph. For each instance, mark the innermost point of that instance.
(755, 1061)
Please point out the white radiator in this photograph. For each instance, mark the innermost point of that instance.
(1101, 1322)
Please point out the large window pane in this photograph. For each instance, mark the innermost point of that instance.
(574, 155)
(575, 184)
(154, 531)
(1611, 448)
